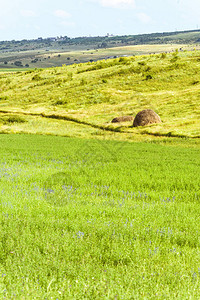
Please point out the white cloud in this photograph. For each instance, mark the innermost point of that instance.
(117, 3)
(62, 14)
(144, 18)
(27, 13)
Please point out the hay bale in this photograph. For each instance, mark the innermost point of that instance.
(122, 119)
(146, 117)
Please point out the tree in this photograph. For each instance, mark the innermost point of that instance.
(18, 63)
(103, 45)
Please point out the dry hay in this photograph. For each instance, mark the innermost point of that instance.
(146, 117)
(122, 119)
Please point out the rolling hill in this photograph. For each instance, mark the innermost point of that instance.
(82, 99)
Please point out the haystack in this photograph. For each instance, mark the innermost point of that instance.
(122, 119)
(146, 117)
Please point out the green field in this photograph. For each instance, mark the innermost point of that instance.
(96, 210)
(90, 219)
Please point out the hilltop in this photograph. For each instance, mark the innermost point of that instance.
(51, 43)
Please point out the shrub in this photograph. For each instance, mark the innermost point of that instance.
(163, 55)
(147, 68)
(123, 60)
(14, 119)
(34, 60)
(29, 71)
(4, 98)
(18, 63)
(142, 63)
(59, 102)
(36, 77)
(148, 76)
(174, 59)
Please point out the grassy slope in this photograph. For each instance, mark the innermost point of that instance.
(94, 93)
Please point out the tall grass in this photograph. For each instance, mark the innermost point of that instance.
(83, 219)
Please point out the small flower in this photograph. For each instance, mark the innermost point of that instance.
(80, 234)
(50, 191)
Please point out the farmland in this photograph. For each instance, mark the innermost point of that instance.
(57, 57)
(96, 210)
(52, 52)
(98, 219)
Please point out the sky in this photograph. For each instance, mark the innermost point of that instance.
(30, 19)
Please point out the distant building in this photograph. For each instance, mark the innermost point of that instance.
(60, 38)
(52, 39)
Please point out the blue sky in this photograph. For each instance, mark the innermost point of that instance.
(27, 19)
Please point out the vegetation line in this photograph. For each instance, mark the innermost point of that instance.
(67, 118)
(118, 130)
(58, 117)
(19, 113)
(171, 134)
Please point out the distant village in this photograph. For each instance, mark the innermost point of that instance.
(64, 38)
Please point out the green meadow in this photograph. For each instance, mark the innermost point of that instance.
(90, 219)
(81, 100)
(91, 209)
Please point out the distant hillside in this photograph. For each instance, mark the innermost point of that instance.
(63, 43)
(56, 51)
(41, 59)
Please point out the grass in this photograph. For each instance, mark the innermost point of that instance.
(95, 210)
(94, 93)
(90, 219)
